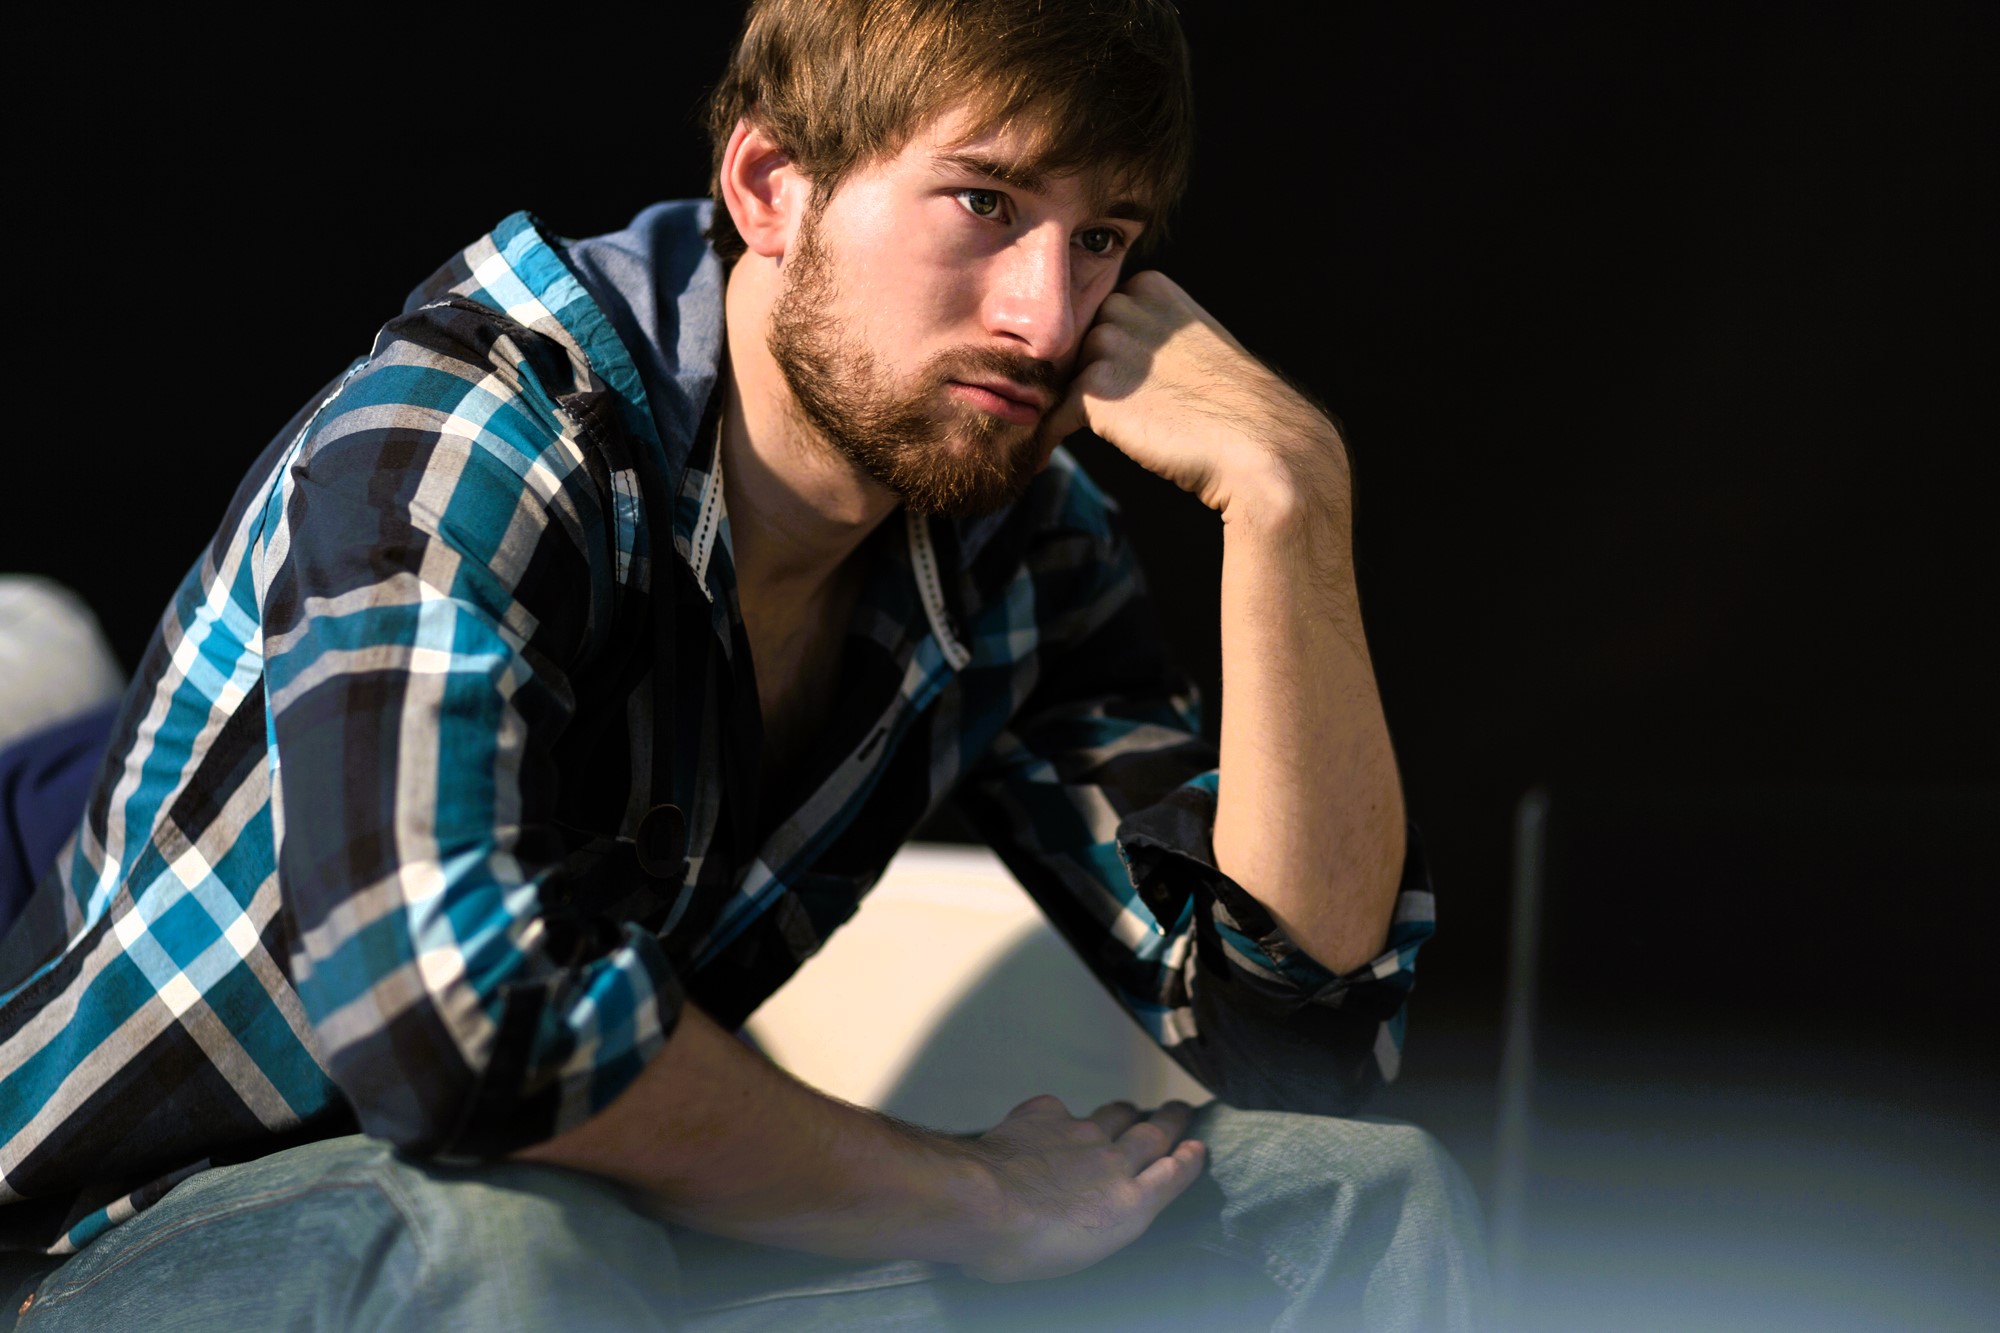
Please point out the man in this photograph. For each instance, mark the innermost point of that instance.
(563, 675)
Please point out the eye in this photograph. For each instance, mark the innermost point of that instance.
(979, 203)
(1102, 240)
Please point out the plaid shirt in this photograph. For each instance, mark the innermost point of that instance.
(391, 830)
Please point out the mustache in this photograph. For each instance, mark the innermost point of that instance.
(1027, 371)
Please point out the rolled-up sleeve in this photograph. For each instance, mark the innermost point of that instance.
(437, 587)
(1273, 1028)
(1100, 797)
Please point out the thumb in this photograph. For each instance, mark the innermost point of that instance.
(1065, 419)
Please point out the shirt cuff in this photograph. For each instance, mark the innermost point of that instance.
(1169, 853)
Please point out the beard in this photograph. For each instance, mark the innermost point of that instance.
(939, 455)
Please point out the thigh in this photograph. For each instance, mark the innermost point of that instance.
(1182, 1274)
(344, 1235)
(730, 1286)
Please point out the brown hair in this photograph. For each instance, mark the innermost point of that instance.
(841, 83)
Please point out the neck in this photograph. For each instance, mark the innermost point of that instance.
(797, 508)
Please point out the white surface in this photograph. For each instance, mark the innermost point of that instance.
(948, 999)
(54, 660)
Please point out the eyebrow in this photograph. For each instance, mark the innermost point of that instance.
(1020, 177)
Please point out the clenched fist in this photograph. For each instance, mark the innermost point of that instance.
(1163, 381)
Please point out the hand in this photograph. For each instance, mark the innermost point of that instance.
(1163, 381)
(1076, 1190)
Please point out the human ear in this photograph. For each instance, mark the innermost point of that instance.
(765, 193)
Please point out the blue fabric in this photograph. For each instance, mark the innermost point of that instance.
(1300, 1223)
(44, 781)
(664, 297)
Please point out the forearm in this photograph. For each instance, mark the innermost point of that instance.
(1309, 812)
(723, 1141)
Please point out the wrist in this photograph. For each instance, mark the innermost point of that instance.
(956, 1207)
(1291, 490)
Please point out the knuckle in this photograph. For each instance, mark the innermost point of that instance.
(1122, 339)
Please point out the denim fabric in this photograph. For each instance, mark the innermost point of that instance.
(343, 1235)
(1301, 1223)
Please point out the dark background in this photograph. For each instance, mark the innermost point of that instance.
(1663, 344)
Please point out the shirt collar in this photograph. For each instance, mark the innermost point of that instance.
(522, 268)
(660, 280)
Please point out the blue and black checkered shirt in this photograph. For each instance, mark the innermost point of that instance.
(383, 840)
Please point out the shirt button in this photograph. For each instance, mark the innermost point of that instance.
(661, 842)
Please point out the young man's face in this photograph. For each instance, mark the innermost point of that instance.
(932, 312)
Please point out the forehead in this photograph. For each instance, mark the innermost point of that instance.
(1022, 154)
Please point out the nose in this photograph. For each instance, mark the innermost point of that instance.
(1032, 298)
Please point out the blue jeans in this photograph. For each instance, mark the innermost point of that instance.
(1300, 1222)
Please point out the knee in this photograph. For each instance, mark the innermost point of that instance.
(1402, 1156)
(1375, 1212)
(1335, 1162)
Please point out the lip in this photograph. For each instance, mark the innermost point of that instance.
(1008, 389)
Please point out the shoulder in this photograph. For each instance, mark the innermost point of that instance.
(459, 367)
(476, 449)
(490, 388)
(505, 338)
(459, 407)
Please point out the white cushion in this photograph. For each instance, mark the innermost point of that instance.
(948, 999)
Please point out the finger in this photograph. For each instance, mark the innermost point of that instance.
(1114, 1118)
(1144, 1143)
(1100, 344)
(1152, 1136)
(1174, 1117)
(1118, 305)
(1044, 1103)
(1165, 1179)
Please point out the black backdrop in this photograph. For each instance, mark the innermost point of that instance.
(1663, 343)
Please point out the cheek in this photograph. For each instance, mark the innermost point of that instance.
(912, 307)
(901, 272)
(1090, 298)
